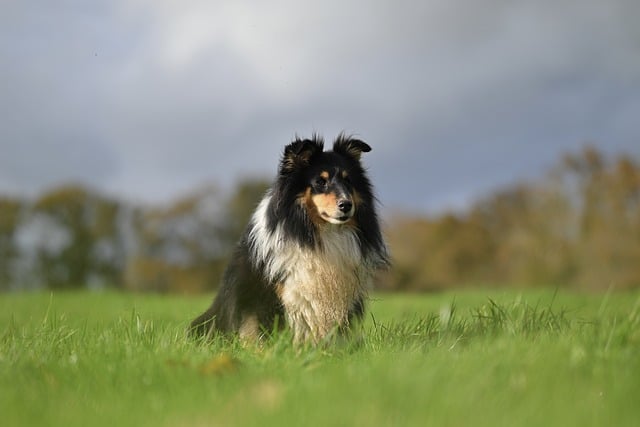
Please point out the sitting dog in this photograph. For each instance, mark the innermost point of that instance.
(310, 250)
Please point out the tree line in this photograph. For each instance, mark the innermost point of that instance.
(73, 237)
(577, 226)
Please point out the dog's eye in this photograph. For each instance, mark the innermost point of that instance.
(320, 182)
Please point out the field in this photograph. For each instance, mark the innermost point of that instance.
(479, 358)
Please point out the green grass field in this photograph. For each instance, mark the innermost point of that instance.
(478, 358)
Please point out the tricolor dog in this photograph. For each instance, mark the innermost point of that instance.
(309, 252)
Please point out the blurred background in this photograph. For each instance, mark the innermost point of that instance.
(136, 136)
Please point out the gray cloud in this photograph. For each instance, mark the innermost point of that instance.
(148, 99)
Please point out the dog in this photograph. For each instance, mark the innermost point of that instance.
(309, 253)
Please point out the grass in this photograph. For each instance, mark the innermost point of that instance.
(481, 358)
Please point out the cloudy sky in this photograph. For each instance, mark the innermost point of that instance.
(147, 99)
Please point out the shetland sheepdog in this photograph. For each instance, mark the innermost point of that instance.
(309, 252)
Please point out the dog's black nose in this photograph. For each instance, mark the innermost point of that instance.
(345, 205)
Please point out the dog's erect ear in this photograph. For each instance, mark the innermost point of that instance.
(350, 146)
(300, 152)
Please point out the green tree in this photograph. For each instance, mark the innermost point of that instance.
(10, 210)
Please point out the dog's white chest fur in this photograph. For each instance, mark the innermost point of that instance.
(321, 286)
(318, 287)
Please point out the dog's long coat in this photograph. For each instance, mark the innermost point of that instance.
(309, 253)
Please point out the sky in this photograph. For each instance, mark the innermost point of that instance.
(149, 99)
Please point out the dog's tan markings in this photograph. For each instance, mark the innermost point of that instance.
(306, 201)
(344, 174)
(326, 204)
(356, 198)
(324, 175)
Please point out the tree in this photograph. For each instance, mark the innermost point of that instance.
(10, 210)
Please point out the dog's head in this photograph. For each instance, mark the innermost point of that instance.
(329, 184)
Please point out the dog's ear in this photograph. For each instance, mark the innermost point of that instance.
(299, 153)
(350, 146)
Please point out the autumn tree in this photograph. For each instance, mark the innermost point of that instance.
(578, 226)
